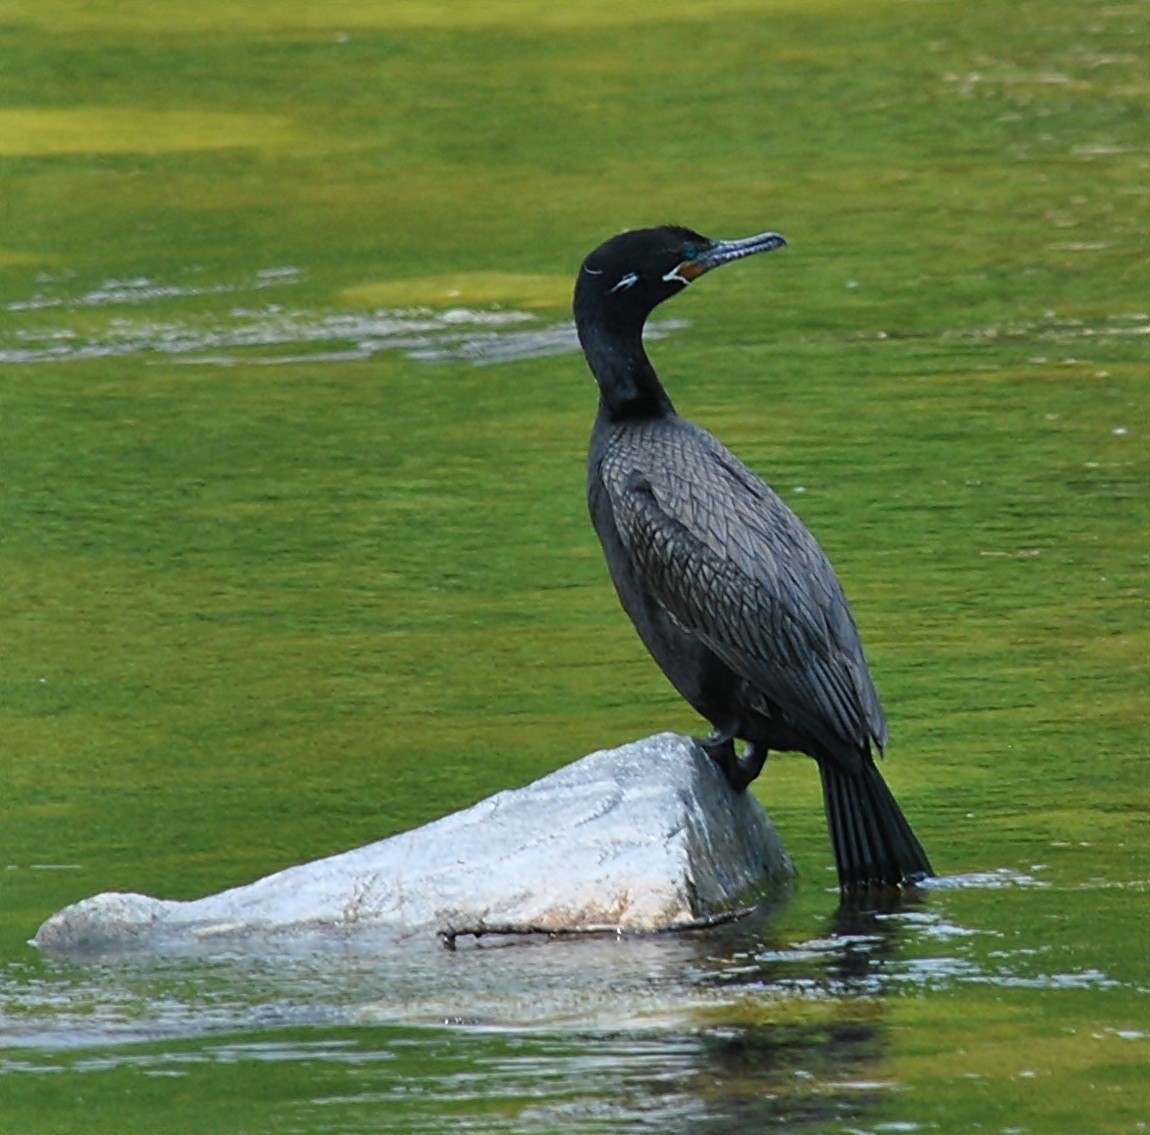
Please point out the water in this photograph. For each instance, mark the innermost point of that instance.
(275, 333)
(283, 573)
(1010, 999)
(533, 981)
(787, 1021)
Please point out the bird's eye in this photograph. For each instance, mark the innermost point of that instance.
(690, 251)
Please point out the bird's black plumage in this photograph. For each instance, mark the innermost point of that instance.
(730, 593)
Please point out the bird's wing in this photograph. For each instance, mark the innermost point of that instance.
(726, 558)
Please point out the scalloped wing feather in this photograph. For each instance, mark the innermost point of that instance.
(721, 552)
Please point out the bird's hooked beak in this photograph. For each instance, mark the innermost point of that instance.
(723, 252)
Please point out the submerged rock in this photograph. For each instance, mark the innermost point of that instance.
(642, 838)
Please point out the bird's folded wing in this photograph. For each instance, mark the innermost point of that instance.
(726, 558)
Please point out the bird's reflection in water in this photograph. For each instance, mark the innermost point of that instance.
(814, 1055)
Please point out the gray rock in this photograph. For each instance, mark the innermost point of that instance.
(646, 837)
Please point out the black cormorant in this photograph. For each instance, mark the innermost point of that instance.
(728, 590)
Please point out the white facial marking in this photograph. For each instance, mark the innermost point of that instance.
(674, 275)
(592, 271)
(628, 281)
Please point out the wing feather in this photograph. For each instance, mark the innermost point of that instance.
(730, 562)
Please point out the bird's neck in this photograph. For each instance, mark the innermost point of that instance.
(629, 388)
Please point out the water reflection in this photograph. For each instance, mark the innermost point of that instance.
(558, 1036)
(744, 1027)
(700, 1032)
(746, 970)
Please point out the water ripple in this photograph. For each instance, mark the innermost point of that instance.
(604, 982)
(273, 335)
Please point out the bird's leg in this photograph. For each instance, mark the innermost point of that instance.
(748, 766)
(719, 745)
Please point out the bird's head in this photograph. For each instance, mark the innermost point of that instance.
(628, 276)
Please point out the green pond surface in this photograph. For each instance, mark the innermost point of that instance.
(294, 554)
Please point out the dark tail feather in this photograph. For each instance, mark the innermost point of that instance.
(873, 844)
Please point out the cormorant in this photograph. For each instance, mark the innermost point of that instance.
(730, 593)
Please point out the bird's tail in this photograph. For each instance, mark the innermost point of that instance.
(873, 844)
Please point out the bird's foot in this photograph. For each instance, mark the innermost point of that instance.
(719, 745)
(751, 763)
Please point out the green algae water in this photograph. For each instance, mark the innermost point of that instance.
(294, 553)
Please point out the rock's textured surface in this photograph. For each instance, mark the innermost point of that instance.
(645, 837)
